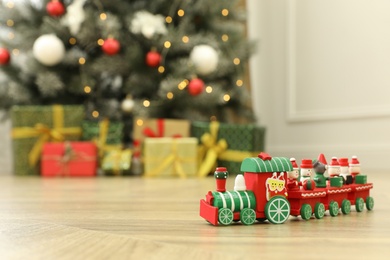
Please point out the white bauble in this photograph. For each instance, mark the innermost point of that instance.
(127, 105)
(48, 49)
(204, 58)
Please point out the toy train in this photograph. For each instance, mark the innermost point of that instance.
(271, 189)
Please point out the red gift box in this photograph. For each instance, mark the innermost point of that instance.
(76, 159)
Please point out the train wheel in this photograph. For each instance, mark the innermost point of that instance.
(247, 216)
(369, 203)
(306, 211)
(346, 207)
(319, 210)
(277, 210)
(225, 216)
(333, 208)
(359, 204)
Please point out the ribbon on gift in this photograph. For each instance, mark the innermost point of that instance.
(45, 134)
(69, 156)
(211, 150)
(148, 132)
(102, 139)
(173, 159)
(115, 160)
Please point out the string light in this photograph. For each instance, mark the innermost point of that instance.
(209, 89)
(169, 95)
(81, 60)
(87, 89)
(11, 35)
(168, 19)
(225, 12)
(140, 122)
(95, 114)
(146, 103)
(182, 85)
(100, 42)
(161, 69)
(10, 23)
(185, 39)
(10, 4)
(226, 97)
(167, 44)
(15, 52)
(236, 61)
(180, 12)
(103, 16)
(72, 40)
(239, 83)
(225, 37)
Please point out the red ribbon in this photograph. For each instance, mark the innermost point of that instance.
(147, 131)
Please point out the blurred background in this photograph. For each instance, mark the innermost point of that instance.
(312, 72)
(320, 78)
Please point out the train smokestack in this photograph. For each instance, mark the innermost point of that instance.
(221, 174)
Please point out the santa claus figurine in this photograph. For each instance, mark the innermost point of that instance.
(292, 180)
(334, 168)
(344, 171)
(307, 175)
(354, 167)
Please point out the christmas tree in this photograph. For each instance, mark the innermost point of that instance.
(127, 58)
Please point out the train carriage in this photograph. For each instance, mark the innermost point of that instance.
(307, 202)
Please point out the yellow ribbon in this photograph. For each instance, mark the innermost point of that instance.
(45, 133)
(101, 140)
(173, 158)
(210, 150)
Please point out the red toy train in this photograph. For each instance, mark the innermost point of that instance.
(270, 190)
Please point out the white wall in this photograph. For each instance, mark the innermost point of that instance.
(321, 79)
(5, 146)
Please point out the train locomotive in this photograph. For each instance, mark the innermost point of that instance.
(264, 192)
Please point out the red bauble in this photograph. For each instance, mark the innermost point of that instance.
(4, 56)
(55, 8)
(111, 46)
(153, 59)
(195, 87)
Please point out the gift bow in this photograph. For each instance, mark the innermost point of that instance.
(147, 131)
(211, 150)
(45, 133)
(173, 158)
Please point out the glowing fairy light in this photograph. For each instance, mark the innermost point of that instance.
(146, 103)
(87, 89)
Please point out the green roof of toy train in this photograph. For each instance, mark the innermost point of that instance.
(276, 164)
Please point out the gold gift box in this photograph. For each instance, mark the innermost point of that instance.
(168, 156)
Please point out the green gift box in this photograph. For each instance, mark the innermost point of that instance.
(32, 126)
(93, 130)
(241, 141)
(361, 179)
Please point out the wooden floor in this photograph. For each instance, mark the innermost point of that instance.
(130, 218)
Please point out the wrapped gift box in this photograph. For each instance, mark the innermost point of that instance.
(144, 128)
(241, 140)
(117, 162)
(111, 132)
(170, 156)
(73, 159)
(32, 126)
